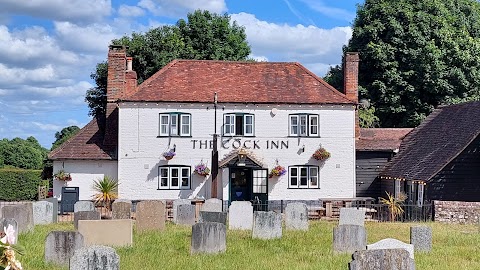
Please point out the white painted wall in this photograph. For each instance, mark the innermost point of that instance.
(140, 151)
(83, 173)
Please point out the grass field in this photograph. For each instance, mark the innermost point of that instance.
(454, 247)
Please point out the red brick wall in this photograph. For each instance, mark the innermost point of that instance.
(457, 212)
(117, 62)
(350, 81)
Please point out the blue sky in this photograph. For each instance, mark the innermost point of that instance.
(48, 48)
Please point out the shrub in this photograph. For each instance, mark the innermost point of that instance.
(18, 184)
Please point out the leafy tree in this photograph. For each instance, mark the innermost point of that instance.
(25, 154)
(205, 36)
(414, 56)
(64, 135)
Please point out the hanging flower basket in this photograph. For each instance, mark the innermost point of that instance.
(62, 176)
(202, 169)
(169, 154)
(277, 171)
(321, 154)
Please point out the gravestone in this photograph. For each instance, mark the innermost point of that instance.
(185, 214)
(390, 243)
(121, 209)
(150, 215)
(352, 216)
(42, 212)
(349, 238)
(240, 215)
(113, 232)
(296, 216)
(212, 205)
(95, 258)
(22, 213)
(219, 217)
(85, 215)
(421, 238)
(60, 246)
(267, 225)
(382, 259)
(174, 207)
(83, 206)
(54, 202)
(208, 237)
(5, 222)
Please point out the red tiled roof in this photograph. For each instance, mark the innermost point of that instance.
(236, 82)
(381, 139)
(86, 144)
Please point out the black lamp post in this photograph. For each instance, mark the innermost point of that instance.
(214, 151)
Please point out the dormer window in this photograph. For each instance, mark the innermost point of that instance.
(238, 124)
(175, 124)
(303, 125)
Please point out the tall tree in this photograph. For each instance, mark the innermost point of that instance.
(205, 36)
(63, 135)
(414, 56)
(25, 154)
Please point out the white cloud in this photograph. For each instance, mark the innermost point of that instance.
(130, 11)
(258, 58)
(91, 38)
(332, 12)
(177, 8)
(46, 126)
(85, 11)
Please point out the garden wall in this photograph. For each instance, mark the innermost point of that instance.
(457, 212)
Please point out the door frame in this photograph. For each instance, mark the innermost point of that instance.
(249, 181)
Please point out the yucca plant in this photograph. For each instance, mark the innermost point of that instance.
(107, 191)
(395, 205)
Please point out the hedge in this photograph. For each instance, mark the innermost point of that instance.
(18, 184)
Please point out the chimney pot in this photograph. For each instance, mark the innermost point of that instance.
(129, 63)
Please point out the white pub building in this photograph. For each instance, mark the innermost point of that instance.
(267, 115)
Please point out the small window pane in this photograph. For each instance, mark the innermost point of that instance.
(164, 177)
(293, 125)
(173, 124)
(239, 125)
(293, 177)
(303, 177)
(185, 120)
(313, 177)
(313, 125)
(303, 125)
(164, 125)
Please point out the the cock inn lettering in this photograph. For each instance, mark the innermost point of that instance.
(239, 143)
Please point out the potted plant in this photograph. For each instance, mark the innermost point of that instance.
(169, 154)
(62, 176)
(202, 169)
(277, 171)
(321, 154)
(106, 189)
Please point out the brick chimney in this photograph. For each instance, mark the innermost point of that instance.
(350, 83)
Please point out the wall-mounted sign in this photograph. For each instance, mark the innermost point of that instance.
(241, 143)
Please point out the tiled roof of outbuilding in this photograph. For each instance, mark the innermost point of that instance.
(236, 82)
(381, 139)
(441, 137)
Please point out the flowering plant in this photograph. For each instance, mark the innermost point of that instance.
(169, 154)
(277, 171)
(8, 250)
(62, 176)
(321, 154)
(202, 169)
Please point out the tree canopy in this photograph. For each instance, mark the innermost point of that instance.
(63, 135)
(19, 153)
(204, 36)
(414, 56)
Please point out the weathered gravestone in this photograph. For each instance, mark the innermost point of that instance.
(85, 215)
(150, 215)
(296, 216)
(421, 238)
(219, 217)
(209, 237)
(185, 214)
(95, 258)
(121, 209)
(240, 216)
(83, 206)
(60, 246)
(267, 225)
(5, 222)
(382, 259)
(212, 205)
(352, 216)
(390, 243)
(42, 212)
(174, 207)
(349, 238)
(113, 232)
(54, 202)
(22, 213)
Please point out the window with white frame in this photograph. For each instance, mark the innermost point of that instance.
(175, 124)
(174, 177)
(303, 177)
(303, 125)
(238, 124)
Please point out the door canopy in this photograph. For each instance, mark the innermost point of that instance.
(239, 158)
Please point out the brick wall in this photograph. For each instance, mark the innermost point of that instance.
(457, 212)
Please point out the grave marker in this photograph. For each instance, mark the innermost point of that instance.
(390, 243)
(95, 258)
(352, 216)
(42, 212)
(212, 205)
(85, 215)
(421, 238)
(176, 203)
(219, 217)
(296, 216)
(267, 225)
(209, 237)
(150, 215)
(121, 209)
(382, 259)
(240, 215)
(60, 246)
(349, 238)
(22, 213)
(83, 206)
(113, 232)
(185, 214)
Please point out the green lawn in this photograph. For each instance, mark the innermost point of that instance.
(454, 247)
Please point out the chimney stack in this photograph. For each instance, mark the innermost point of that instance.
(117, 55)
(350, 83)
(130, 78)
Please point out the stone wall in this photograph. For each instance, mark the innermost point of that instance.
(457, 212)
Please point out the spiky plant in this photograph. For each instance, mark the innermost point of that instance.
(106, 189)
(395, 205)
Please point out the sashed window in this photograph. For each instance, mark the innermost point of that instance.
(238, 124)
(303, 125)
(303, 177)
(173, 177)
(175, 124)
